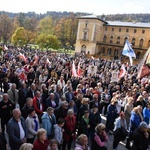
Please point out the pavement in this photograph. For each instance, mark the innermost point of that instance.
(121, 145)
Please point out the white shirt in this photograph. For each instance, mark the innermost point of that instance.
(22, 133)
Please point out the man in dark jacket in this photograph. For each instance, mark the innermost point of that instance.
(61, 112)
(17, 131)
(140, 137)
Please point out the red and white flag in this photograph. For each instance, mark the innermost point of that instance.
(122, 71)
(79, 70)
(21, 56)
(5, 48)
(74, 72)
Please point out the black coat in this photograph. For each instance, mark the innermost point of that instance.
(140, 142)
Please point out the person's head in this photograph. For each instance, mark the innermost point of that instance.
(50, 111)
(100, 128)
(70, 113)
(145, 94)
(86, 113)
(148, 105)
(130, 100)
(38, 94)
(95, 97)
(13, 86)
(41, 134)
(33, 87)
(52, 96)
(82, 139)
(65, 105)
(137, 110)
(31, 112)
(140, 98)
(71, 103)
(144, 126)
(16, 114)
(26, 146)
(122, 115)
(94, 108)
(61, 122)
(85, 101)
(29, 102)
(5, 97)
(53, 144)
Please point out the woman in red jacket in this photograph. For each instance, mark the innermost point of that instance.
(69, 129)
(42, 142)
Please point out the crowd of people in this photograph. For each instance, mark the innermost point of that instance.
(45, 107)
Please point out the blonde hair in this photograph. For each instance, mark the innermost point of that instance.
(26, 146)
(81, 137)
(40, 132)
(100, 127)
(84, 100)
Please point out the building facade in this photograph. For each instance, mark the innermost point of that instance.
(105, 39)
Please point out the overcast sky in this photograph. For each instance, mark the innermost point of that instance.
(96, 7)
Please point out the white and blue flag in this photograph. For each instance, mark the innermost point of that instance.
(128, 51)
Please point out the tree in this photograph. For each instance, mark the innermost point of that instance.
(48, 41)
(6, 27)
(66, 29)
(45, 26)
(22, 37)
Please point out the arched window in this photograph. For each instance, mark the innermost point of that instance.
(83, 48)
(104, 38)
(133, 42)
(125, 39)
(109, 51)
(141, 42)
(138, 55)
(111, 39)
(85, 36)
(116, 52)
(148, 44)
(118, 40)
(103, 50)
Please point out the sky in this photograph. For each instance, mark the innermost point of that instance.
(96, 7)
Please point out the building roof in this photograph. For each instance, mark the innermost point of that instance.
(129, 24)
(92, 17)
(117, 23)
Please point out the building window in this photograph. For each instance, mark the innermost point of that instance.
(141, 42)
(111, 39)
(119, 29)
(106, 29)
(125, 39)
(127, 30)
(86, 24)
(143, 31)
(116, 52)
(133, 42)
(148, 44)
(104, 38)
(83, 49)
(118, 40)
(135, 30)
(112, 29)
(138, 55)
(103, 50)
(109, 51)
(85, 36)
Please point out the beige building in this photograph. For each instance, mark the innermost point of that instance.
(106, 39)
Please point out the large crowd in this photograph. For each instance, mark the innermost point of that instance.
(45, 107)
